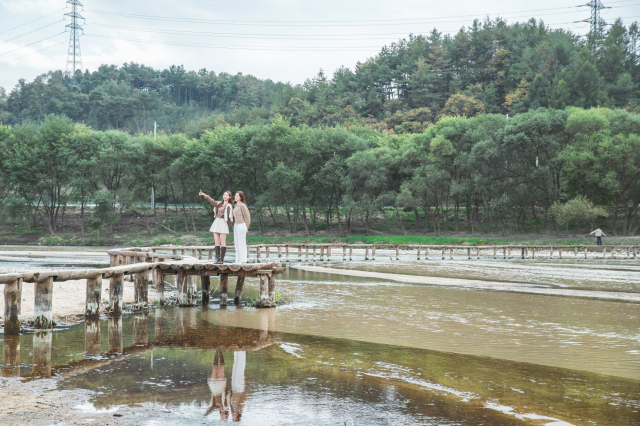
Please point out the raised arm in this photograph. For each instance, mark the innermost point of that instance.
(213, 202)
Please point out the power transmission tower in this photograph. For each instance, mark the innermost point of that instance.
(74, 57)
(596, 23)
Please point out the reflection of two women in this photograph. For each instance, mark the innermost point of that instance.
(230, 401)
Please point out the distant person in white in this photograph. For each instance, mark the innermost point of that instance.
(598, 233)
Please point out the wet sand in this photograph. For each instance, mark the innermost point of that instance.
(478, 285)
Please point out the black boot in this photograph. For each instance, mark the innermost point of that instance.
(218, 255)
(223, 251)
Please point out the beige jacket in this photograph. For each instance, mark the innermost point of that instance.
(241, 214)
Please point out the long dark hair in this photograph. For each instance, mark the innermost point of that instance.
(241, 194)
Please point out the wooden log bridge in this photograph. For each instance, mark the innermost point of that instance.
(137, 263)
(186, 270)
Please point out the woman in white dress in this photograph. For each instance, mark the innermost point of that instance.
(223, 212)
(242, 220)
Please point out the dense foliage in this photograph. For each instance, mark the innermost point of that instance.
(538, 170)
(489, 67)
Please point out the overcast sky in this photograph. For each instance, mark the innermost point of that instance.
(284, 40)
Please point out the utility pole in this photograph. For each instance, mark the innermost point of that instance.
(74, 57)
(595, 22)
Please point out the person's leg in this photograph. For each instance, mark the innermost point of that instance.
(216, 237)
(223, 247)
(599, 241)
(240, 243)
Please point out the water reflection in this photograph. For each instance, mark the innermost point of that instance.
(92, 344)
(11, 361)
(116, 342)
(42, 354)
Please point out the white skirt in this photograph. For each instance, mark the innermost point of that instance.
(220, 226)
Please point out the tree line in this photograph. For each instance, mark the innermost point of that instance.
(536, 172)
(488, 67)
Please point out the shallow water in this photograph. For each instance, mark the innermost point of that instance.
(165, 363)
(371, 350)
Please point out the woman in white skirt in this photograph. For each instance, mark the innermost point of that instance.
(223, 212)
(242, 220)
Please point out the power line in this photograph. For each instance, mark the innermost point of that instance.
(31, 44)
(241, 47)
(299, 23)
(31, 32)
(26, 23)
(36, 51)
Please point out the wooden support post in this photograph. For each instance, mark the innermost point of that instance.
(210, 254)
(141, 287)
(344, 253)
(477, 252)
(181, 284)
(366, 253)
(418, 255)
(272, 288)
(264, 289)
(373, 252)
(314, 253)
(560, 252)
(42, 308)
(299, 253)
(613, 252)
(575, 252)
(140, 330)
(11, 358)
(192, 290)
(426, 252)
(206, 284)
(200, 254)
(522, 252)
(551, 253)
(92, 345)
(321, 253)
(42, 354)
(239, 287)
(115, 293)
(307, 252)
(533, 252)
(224, 288)
(258, 254)
(350, 253)
(94, 297)
(397, 253)
(468, 253)
(267, 252)
(12, 306)
(509, 253)
(495, 251)
(443, 250)
(116, 344)
(604, 252)
(113, 260)
(184, 252)
(175, 252)
(504, 252)
(286, 249)
(628, 253)
(279, 252)
(634, 252)
(158, 278)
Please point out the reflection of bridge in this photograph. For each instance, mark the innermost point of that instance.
(187, 335)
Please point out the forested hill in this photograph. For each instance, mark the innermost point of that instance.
(490, 67)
